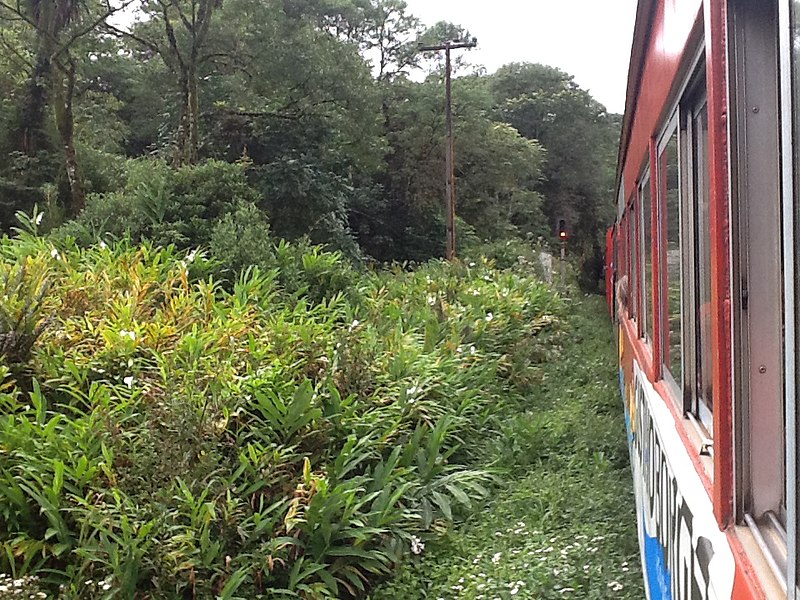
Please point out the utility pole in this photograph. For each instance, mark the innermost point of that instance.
(450, 176)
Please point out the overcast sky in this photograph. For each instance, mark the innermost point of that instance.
(590, 39)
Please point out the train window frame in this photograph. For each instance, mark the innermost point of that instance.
(789, 63)
(633, 255)
(647, 298)
(672, 129)
(693, 114)
(757, 281)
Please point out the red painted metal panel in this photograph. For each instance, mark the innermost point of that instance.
(668, 44)
(716, 19)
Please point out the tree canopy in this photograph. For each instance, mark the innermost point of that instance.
(335, 117)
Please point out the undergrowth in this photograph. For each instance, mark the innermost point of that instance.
(562, 522)
(293, 431)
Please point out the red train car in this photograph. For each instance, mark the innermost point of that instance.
(703, 260)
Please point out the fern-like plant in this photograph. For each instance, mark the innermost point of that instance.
(23, 287)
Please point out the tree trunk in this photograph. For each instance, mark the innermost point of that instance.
(63, 93)
(31, 135)
(188, 139)
(194, 119)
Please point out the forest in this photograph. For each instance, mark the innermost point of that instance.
(233, 363)
(123, 116)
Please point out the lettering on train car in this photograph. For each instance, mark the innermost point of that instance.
(677, 561)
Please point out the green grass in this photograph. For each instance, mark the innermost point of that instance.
(562, 521)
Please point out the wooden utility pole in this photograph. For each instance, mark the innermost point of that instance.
(450, 161)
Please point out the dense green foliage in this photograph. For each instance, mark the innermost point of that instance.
(562, 524)
(336, 117)
(208, 388)
(175, 437)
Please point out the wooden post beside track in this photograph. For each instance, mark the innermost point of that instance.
(450, 177)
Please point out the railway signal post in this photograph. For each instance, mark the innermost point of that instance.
(450, 177)
(563, 262)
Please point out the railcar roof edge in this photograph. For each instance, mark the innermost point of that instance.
(641, 37)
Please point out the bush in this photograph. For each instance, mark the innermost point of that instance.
(184, 439)
(166, 206)
(240, 239)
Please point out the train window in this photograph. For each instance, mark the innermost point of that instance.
(703, 394)
(757, 275)
(622, 267)
(791, 47)
(632, 262)
(670, 200)
(647, 313)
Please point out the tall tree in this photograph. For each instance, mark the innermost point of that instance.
(546, 104)
(178, 31)
(57, 25)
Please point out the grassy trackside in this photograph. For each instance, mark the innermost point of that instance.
(562, 522)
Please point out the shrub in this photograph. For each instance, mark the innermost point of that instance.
(240, 239)
(165, 206)
(287, 434)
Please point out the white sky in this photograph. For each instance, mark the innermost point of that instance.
(590, 39)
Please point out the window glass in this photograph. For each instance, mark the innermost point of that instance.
(670, 190)
(700, 193)
(795, 51)
(633, 262)
(647, 262)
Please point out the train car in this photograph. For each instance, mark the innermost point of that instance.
(705, 249)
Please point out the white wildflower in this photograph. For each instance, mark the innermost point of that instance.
(514, 591)
(128, 334)
(103, 245)
(191, 256)
(54, 253)
(413, 390)
(496, 557)
(106, 586)
(417, 545)
(489, 317)
(615, 586)
(128, 381)
(354, 324)
(472, 350)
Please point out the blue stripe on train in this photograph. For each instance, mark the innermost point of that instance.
(657, 575)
